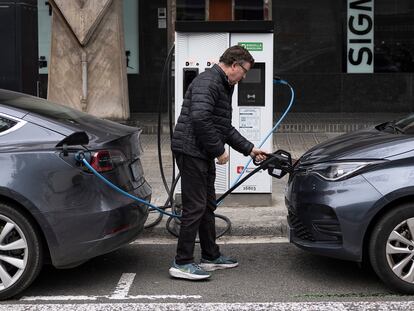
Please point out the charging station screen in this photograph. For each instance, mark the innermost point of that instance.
(188, 76)
(252, 88)
(253, 76)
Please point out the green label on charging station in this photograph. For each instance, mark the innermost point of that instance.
(252, 46)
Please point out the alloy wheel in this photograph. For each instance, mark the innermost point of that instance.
(400, 250)
(13, 252)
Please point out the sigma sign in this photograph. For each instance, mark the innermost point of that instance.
(360, 49)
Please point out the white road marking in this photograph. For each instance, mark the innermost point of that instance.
(108, 297)
(163, 297)
(223, 240)
(123, 286)
(282, 306)
(120, 293)
(59, 298)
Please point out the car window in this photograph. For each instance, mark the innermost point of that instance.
(6, 124)
(406, 124)
(9, 124)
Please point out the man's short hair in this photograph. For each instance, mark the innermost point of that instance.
(236, 54)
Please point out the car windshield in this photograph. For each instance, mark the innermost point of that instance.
(42, 107)
(406, 124)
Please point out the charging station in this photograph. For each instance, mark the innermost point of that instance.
(199, 46)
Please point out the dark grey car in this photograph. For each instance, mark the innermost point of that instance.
(352, 198)
(51, 208)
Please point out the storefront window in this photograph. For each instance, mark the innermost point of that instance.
(131, 33)
(191, 10)
(308, 36)
(248, 9)
(44, 34)
(394, 36)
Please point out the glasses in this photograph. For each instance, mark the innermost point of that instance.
(242, 67)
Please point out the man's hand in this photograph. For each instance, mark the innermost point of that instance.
(258, 154)
(223, 159)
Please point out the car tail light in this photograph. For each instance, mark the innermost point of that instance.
(106, 160)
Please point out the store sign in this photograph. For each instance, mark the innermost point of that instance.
(252, 46)
(360, 39)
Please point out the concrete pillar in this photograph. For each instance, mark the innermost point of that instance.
(87, 63)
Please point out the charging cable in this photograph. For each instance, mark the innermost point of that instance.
(80, 156)
(273, 159)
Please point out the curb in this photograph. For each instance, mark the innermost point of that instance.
(245, 222)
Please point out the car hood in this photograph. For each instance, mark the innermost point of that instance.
(365, 144)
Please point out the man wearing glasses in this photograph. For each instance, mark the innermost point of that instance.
(202, 130)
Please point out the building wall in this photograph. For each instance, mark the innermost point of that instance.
(18, 41)
(310, 52)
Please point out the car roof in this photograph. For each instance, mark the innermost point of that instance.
(7, 94)
(63, 119)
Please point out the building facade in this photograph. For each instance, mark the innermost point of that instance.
(340, 55)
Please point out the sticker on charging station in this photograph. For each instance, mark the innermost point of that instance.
(249, 123)
(252, 46)
(240, 168)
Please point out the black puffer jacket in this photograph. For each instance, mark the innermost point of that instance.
(204, 124)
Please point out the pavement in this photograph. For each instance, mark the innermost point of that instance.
(297, 134)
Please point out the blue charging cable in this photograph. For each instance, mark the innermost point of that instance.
(292, 98)
(81, 157)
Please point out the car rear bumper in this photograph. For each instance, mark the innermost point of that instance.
(79, 253)
(110, 222)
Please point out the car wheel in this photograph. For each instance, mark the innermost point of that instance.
(391, 248)
(20, 252)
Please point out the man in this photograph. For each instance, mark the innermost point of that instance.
(202, 130)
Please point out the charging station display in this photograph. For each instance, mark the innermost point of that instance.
(251, 90)
(188, 76)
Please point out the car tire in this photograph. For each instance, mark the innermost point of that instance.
(21, 253)
(391, 248)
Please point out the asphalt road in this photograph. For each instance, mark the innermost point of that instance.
(272, 273)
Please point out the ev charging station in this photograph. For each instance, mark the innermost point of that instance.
(199, 46)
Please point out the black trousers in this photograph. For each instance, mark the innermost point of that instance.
(199, 203)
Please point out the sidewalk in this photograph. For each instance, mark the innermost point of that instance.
(255, 220)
